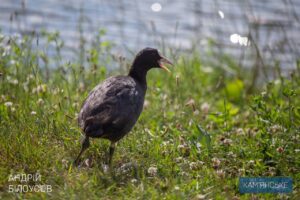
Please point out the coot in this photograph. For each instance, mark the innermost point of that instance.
(113, 107)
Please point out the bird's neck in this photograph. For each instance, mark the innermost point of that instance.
(139, 74)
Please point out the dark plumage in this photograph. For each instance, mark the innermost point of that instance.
(113, 107)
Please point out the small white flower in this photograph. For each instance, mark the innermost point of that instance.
(8, 104)
(220, 173)
(7, 48)
(165, 96)
(152, 171)
(190, 102)
(25, 86)
(275, 128)
(280, 149)
(277, 81)
(251, 162)
(165, 143)
(241, 171)
(33, 113)
(40, 89)
(30, 77)
(55, 107)
(198, 145)
(184, 149)
(196, 112)
(146, 104)
(14, 82)
(207, 69)
(176, 188)
(75, 105)
(264, 93)
(240, 131)
(16, 35)
(231, 154)
(227, 141)
(178, 159)
(12, 62)
(40, 101)
(216, 162)
(55, 91)
(195, 165)
(205, 107)
(201, 197)
(133, 181)
(81, 87)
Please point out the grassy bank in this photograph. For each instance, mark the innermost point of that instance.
(200, 130)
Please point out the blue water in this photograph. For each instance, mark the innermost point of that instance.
(274, 25)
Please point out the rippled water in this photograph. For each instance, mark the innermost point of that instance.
(274, 26)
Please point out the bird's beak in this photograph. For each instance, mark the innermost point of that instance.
(163, 60)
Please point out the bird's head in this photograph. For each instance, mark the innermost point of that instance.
(150, 58)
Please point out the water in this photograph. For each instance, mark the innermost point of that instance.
(274, 26)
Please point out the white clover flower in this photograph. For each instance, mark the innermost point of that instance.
(251, 162)
(194, 165)
(196, 112)
(275, 128)
(134, 181)
(75, 105)
(14, 82)
(146, 103)
(240, 131)
(40, 89)
(201, 197)
(8, 104)
(190, 102)
(30, 77)
(152, 171)
(205, 107)
(178, 159)
(25, 86)
(40, 101)
(12, 62)
(216, 162)
(33, 113)
(241, 171)
(220, 173)
(176, 188)
(227, 141)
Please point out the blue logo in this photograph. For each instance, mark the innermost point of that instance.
(265, 185)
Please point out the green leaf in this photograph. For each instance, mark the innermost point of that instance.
(234, 89)
(204, 135)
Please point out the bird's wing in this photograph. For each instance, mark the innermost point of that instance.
(109, 103)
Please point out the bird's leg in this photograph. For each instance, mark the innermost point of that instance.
(111, 152)
(85, 144)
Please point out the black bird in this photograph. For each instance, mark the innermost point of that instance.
(113, 107)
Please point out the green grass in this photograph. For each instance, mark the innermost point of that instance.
(200, 130)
